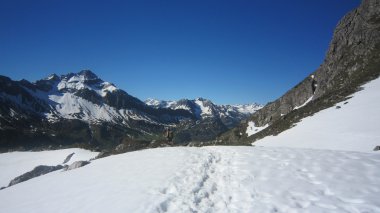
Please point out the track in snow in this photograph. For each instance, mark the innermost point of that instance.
(209, 183)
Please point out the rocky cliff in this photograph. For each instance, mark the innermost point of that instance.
(352, 59)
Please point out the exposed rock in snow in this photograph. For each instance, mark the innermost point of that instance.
(77, 164)
(38, 171)
(67, 159)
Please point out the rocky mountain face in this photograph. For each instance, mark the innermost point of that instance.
(82, 109)
(352, 59)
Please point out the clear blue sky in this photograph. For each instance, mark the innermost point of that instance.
(236, 51)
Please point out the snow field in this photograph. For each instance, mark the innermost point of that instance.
(242, 179)
(209, 179)
(205, 185)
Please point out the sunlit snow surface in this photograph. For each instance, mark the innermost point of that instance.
(350, 125)
(209, 179)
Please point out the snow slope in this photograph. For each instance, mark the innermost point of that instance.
(13, 164)
(354, 126)
(209, 179)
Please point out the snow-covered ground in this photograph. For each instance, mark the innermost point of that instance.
(209, 179)
(350, 125)
(13, 164)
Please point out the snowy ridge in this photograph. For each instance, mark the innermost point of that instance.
(70, 106)
(350, 125)
(160, 104)
(245, 108)
(85, 80)
(204, 108)
(64, 103)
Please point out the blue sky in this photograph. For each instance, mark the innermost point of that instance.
(236, 51)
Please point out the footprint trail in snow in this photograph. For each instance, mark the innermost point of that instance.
(225, 179)
(209, 183)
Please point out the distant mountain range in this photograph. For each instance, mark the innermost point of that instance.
(82, 108)
(202, 108)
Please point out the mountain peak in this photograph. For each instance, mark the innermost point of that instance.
(52, 77)
(200, 99)
(88, 75)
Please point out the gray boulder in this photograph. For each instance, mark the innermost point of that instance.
(37, 171)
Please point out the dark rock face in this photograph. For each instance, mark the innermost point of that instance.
(38, 171)
(355, 46)
(199, 131)
(122, 100)
(89, 95)
(68, 158)
(352, 59)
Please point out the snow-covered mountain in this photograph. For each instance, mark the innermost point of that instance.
(81, 107)
(203, 108)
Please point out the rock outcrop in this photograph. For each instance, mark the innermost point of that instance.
(37, 171)
(68, 158)
(352, 59)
